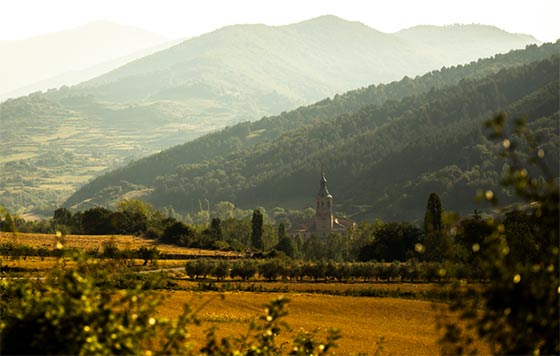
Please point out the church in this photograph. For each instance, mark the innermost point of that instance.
(324, 222)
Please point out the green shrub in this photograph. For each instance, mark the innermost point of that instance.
(222, 270)
(68, 313)
(518, 312)
(244, 269)
(200, 268)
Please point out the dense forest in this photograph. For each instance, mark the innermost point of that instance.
(385, 147)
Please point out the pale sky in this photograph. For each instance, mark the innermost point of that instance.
(184, 18)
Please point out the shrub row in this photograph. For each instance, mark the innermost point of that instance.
(110, 250)
(273, 269)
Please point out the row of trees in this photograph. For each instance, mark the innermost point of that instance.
(443, 236)
(286, 269)
(110, 251)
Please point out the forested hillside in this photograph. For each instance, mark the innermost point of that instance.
(390, 157)
(234, 74)
(385, 147)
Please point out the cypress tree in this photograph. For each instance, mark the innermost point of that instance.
(216, 229)
(433, 216)
(257, 230)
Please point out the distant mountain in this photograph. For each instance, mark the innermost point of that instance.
(385, 147)
(77, 76)
(33, 60)
(282, 67)
(458, 39)
(57, 141)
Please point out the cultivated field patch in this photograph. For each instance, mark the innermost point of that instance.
(399, 327)
(85, 242)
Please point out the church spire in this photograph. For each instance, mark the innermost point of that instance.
(323, 212)
(323, 191)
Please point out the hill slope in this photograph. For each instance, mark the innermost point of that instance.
(234, 74)
(390, 157)
(278, 158)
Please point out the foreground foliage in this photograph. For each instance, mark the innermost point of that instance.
(80, 311)
(519, 311)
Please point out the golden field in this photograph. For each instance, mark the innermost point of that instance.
(306, 286)
(85, 242)
(37, 264)
(400, 327)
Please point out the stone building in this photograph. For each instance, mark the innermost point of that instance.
(324, 221)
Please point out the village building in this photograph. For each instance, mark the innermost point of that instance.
(324, 222)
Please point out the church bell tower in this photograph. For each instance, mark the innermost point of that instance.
(323, 209)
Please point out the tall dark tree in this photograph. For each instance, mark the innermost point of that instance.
(97, 221)
(314, 249)
(433, 216)
(7, 223)
(76, 223)
(287, 245)
(393, 242)
(257, 230)
(281, 231)
(62, 216)
(177, 233)
(216, 229)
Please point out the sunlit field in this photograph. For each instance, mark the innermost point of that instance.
(397, 326)
(85, 242)
(38, 264)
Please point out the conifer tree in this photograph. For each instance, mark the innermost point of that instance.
(433, 216)
(216, 229)
(257, 230)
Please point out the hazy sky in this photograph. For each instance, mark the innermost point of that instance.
(184, 18)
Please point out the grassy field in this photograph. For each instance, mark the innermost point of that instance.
(85, 242)
(37, 264)
(399, 327)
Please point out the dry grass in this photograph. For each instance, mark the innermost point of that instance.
(86, 242)
(42, 265)
(408, 327)
(320, 287)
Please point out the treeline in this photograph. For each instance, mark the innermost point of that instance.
(201, 163)
(443, 237)
(109, 251)
(287, 269)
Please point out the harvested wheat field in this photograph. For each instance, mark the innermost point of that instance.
(406, 326)
(85, 242)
